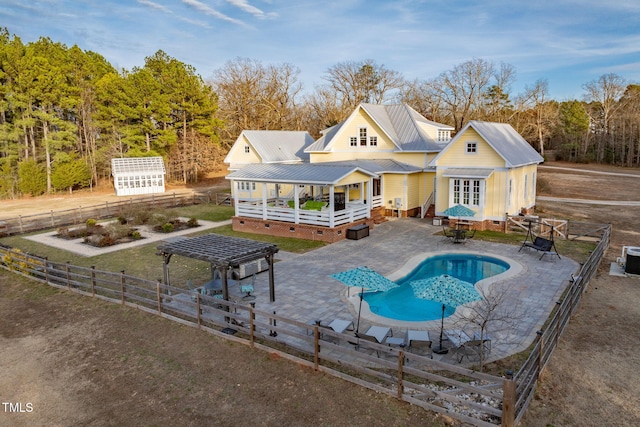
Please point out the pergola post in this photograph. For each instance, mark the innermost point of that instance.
(272, 287)
(165, 267)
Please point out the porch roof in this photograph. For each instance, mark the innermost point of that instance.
(468, 173)
(317, 173)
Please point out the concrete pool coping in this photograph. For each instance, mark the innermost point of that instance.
(482, 286)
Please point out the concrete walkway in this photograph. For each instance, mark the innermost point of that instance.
(305, 292)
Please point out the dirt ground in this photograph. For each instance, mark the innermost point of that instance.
(79, 361)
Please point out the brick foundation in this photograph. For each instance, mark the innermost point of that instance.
(299, 231)
(483, 225)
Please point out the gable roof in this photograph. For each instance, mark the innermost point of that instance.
(277, 146)
(401, 123)
(317, 173)
(507, 143)
(137, 165)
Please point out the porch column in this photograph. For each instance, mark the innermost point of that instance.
(332, 206)
(235, 196)
(264, 200)
(296, 204)
(369, 197)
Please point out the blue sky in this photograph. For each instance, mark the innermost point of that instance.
(566, 42)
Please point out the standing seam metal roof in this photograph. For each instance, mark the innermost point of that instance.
(317, 173)
(399, 122)
(507, 142)
(280, 146)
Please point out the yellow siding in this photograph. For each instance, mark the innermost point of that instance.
(457, 156)
(354, 178)
(393, 186)
(413, 191)
(238, 156)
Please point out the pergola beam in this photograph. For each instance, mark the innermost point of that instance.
(222, 253)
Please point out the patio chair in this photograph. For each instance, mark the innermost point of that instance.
(448, 232)
(248, 288)
(375, 334)
(419, 343)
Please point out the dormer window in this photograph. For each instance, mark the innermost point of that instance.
(472, 147)
(247, 149)
(444, 135)
(363, 137)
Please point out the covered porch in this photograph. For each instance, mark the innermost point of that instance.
(316, 195)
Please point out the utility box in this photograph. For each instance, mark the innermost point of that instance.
(437, 221)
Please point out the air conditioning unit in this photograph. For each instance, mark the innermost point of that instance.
(632, 263)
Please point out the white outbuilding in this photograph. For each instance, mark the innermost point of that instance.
(138, 175)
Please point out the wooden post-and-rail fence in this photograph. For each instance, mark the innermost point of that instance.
(53, 219)
(476, 398)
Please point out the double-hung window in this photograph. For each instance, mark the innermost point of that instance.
(363, 137)
(353, 141)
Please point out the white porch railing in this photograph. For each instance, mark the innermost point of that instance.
(376, 201)
(351, 213)
(425, 206)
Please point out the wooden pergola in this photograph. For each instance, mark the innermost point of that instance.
(223, 253)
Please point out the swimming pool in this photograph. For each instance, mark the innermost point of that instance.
(450, 276)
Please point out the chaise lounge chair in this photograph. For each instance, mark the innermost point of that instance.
(375, 334)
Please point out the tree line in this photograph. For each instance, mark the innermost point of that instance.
(65, 112)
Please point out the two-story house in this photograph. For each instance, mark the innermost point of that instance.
(383, 160)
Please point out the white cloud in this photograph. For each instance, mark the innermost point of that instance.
(211, 12)
(246, 7)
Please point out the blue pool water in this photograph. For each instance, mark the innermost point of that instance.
(401, 303)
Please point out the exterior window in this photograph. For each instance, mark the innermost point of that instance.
(472, 147)
(466, 192)
(247, 149)
(526, 186)
(444, 135)
(373, 141)
(353, 141)
(363, 137)
(246, 186)
(456, 191)
(476, 192)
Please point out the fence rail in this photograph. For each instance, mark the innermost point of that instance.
(459, 392)
(53, 219)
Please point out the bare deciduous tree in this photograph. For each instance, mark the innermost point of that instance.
(490, 313)
(254, 96)
(364, 81)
